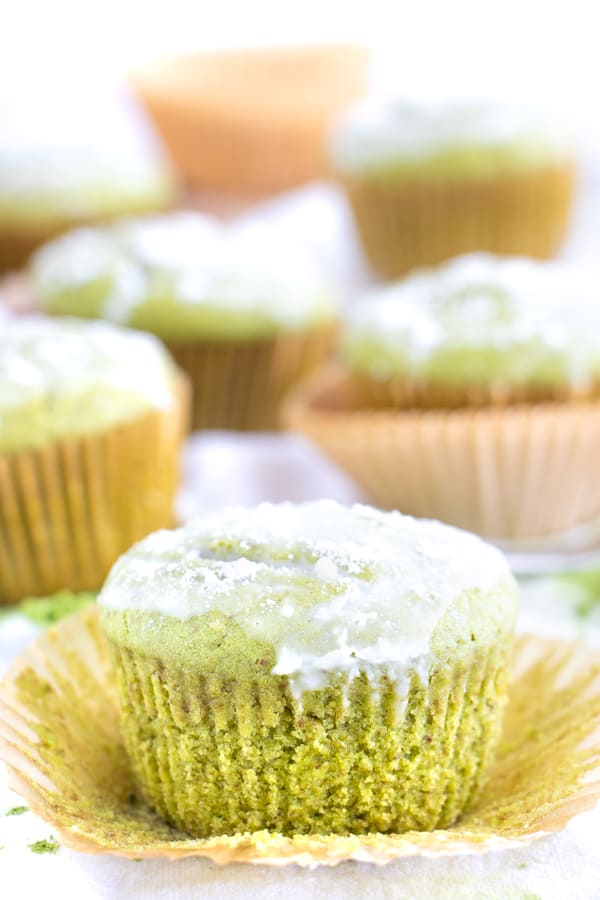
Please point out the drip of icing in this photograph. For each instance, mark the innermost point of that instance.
(332, 589)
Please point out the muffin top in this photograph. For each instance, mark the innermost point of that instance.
(41, 186)
(308, 590)
(183, 277)
(480, 320)
(473, 138)
(65, 378)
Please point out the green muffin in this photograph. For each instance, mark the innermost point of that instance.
(478, 330)
(244, 313)
(430, 180)
(46, 190)
(310, 668)
(91, 422)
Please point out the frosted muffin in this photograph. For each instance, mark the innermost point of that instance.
(243, 313)
(469, 393)
(91, 420)
(310, 668)
(47, 190)
(428, 181)
(478, 330)
(252, 121)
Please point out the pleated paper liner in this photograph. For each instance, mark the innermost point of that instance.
(69, 509)
(60, 738)
(240, 384)
(252, 120)
(402, 393)
(17, 245)
(408, 224)
(507, 472)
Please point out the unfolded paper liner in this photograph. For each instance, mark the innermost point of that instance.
(69, 509)
(504, 471)
(251, 120)
(60, 738)
(412, 223)
(240, 385)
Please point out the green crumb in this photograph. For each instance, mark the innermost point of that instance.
(16, 811)
(46, 611)
(50, 845)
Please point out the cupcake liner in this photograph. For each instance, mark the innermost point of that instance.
(214, 755)
(17, 245)
(407, 224)
(402, 393)
(60, 738)
(251, 120)
(240, 384)
(69, 509)
(506, 472)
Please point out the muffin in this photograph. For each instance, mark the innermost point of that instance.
(310, 668)
(91, 420)
(251, 121)
(428, 181)
(244, 313)
(469, 393)
(47, 190)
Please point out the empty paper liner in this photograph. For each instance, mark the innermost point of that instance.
(60, 737)
(251, 120)
(512, 471)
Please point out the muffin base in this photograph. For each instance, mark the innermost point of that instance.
(214, 756)
(407, 224)
(240, 385)
(515, 471)
(68, 510)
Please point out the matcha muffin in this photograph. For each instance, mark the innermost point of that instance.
(91, 420)
(46, 190)
(244, 313)
(469, 393)
(430, 180)
(310, 668)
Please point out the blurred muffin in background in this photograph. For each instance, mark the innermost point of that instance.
(47, 190)
(251, 121)
(91, 421)
(469, 393)
(244, 313)
(431, 180)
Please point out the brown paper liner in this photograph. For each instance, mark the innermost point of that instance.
(17, 245)
(69, 509)
(60, 738)
(251, 120)
(240, 384)
(402, 393)
(512, 471)
(415, 223)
